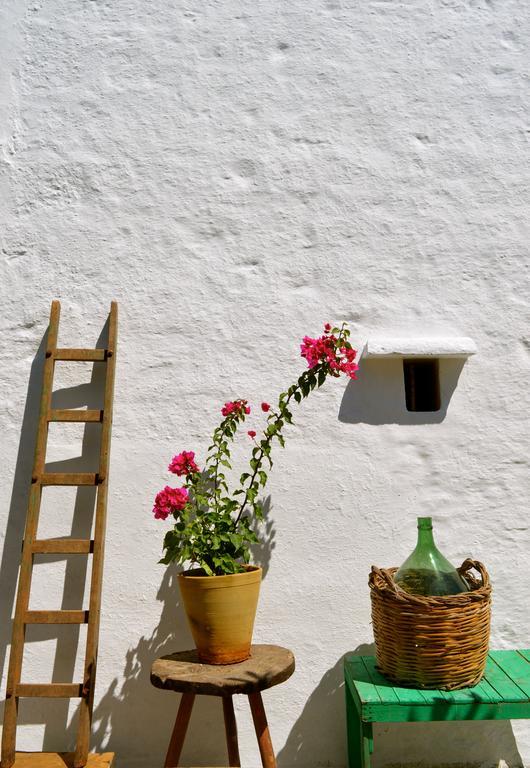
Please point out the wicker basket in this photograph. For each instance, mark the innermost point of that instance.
(431, 642)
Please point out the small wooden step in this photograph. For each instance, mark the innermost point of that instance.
(75, 415)
(60, 760)
(63, 546)
(50, 690)
(68, 478)
(88, 355)
(56, 617)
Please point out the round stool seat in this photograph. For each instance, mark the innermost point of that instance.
(268, 665)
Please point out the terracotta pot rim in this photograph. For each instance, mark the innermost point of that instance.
(198, 575)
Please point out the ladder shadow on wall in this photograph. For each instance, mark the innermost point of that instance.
(377, 396)
(321, 726)
(67, 666)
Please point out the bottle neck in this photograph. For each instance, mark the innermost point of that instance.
(425, 538)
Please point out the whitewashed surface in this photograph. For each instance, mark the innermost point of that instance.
(237, 173)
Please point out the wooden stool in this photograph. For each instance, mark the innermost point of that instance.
(268, 665)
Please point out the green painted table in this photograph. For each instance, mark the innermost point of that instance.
(502, 694)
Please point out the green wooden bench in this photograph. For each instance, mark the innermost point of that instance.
(502, 694)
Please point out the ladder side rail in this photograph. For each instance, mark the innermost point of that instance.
(26, 565)
(89, 677)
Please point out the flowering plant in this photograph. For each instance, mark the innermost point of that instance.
(213, 525)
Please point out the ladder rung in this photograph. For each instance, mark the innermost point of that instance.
(90, 355)
(51, 690)
(63, 546)
(56, 617)
(68, 478)
(73, 415)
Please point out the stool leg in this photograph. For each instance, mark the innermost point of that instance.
(179, 731)
(262, 730)
(231, 732)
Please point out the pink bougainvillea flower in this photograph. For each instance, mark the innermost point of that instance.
(169, 500)
(315, 350)
(251, 433)
(235, 406)
(184, 464)
(327, 327)
(265, 407)
(349, 369)
(324, 349)
(228, 408)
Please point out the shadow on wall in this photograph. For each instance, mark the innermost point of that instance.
(19, 502)
(54, 714)
(320, 732)
(135, 718)
(132, 717)
(378, 395)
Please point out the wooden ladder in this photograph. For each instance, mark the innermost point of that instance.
(32, 545)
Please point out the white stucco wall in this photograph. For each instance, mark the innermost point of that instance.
(236, 174)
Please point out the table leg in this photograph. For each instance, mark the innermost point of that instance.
(368, 743)
(262, 730)
(360, 737)
(179, 731)
(231, 732)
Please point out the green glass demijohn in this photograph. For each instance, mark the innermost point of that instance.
(426, 571)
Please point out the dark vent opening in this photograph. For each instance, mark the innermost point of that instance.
(422, 384)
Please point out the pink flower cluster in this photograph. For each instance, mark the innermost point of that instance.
(184, 464)
(347, 363)
(169, 500)
(324, 349)
(237, 406)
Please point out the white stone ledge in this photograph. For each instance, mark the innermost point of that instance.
(439, 346)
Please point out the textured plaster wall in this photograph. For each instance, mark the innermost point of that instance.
(235, 174)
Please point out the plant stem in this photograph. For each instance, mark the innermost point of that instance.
(259, 459)
(217, 460)
(316, 370)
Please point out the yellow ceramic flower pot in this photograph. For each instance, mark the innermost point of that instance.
(221, 611)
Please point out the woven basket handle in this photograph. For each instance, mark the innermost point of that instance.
(469, 565)
(387, 577)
